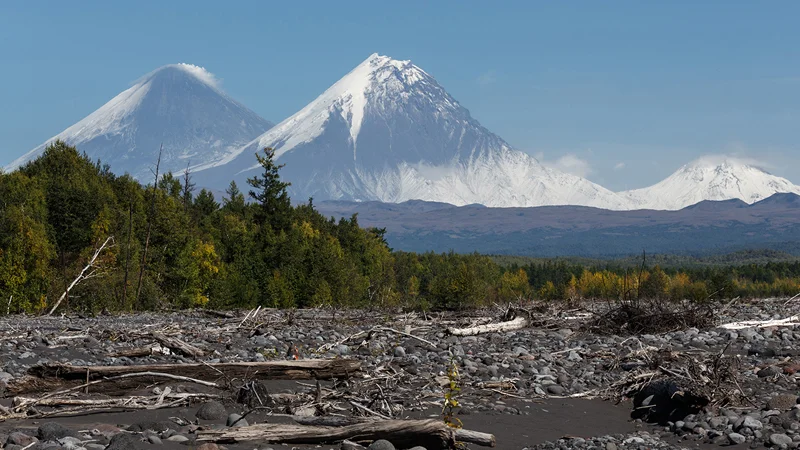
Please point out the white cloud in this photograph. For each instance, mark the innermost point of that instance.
(487, 78)
(201, 73)
(434, 173)
(619, 166)
(718, 159)
(569, 163)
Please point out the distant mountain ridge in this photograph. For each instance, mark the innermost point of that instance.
(179, 106)
(706, 228)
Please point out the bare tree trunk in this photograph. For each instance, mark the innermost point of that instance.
(432, 434)
(50, 377)
(177, 344)
(150, 219)
(127, 256)
(188, 187)
(81, 276)
(516, 324)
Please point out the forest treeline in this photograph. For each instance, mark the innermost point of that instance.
(64, 217)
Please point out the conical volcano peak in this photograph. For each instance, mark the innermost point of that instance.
(388, 131)
(177, 106)
(182, 71)
(724, 163)
(714, 177)
(377, 61)
(379, 73)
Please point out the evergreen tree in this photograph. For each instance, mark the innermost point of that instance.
(234, 202)
(270, 193)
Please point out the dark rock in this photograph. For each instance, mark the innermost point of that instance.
(350, 445)
(765, 352)
(381, 444)
(782, 402)
(768, 372)
(780, 439)
(124, 441)
(21, 439)
(342, 350)
(52, 431)
(555, 389)
(736, 438)
(158, 427)
(236, 420)
(253, 394)
(70, 442)
(717, 423)
(665, 402)
(208, 446)
(212, 410)
(749, 422)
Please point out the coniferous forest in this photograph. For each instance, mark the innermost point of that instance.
(74, 234)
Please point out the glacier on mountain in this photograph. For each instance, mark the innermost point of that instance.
(388, 131)
(710, 178)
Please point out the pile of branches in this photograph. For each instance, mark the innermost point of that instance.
(650, 317)
(668, 385)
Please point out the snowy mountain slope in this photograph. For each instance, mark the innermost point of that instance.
(710, 178)
(179, 105)
(388, 131)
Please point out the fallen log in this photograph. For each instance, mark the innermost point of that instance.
(140, 352)
(85, 274)
(516, 324)
(431, 434)
(348, 445)
(178, 345)
(130, 402)
(48, 377)
(24, 408)
(220, 314)
(787, 322)
(330, 421)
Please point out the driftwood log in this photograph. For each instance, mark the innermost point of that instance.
(178, 345)
(48, 377)
(516, 324)
(139, 352)
(431, 434)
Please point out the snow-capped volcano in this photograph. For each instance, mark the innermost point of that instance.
(711, 178)
(388, 131)
(179, 105)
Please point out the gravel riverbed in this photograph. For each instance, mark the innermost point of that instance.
(548, 386)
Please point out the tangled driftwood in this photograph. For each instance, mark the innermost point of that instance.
(431, 434)
(672, 384)
(631, 318)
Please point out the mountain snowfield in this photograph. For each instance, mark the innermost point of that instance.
(179, 105)
(710, 178)
(387, 131)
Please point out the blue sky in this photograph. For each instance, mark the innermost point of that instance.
(622, 92)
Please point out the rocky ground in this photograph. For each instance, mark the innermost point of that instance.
(551, 385)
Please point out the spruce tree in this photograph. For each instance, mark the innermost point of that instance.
(270, 193)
